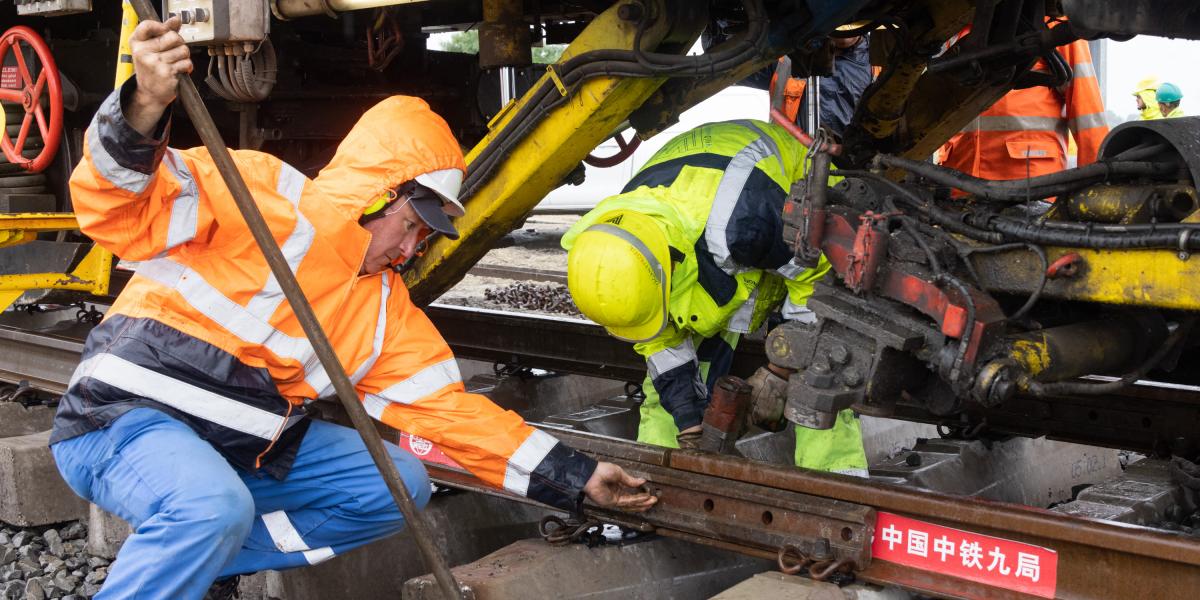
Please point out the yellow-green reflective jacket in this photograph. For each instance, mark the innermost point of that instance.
(718, 192)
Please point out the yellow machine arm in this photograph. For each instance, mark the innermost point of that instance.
(540, 161)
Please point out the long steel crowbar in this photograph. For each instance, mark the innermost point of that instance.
(203, 122)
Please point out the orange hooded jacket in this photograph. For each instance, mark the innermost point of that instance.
(215, 322)
(1025, 132)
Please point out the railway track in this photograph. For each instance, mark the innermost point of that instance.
(837, 523)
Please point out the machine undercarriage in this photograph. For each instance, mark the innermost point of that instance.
(1064, 305)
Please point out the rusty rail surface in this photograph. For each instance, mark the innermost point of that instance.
(1096, 559)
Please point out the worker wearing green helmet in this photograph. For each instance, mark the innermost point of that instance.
(1168, 97)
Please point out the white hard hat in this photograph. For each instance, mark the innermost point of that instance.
(447, 183)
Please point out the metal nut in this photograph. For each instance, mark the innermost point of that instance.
(819, 376)
(839, 354)
(852, 377)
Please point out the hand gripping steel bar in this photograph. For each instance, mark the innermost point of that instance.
(207, 129)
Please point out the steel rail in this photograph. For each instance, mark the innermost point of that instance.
(203, 122)
(1096, 559)
(518, 273)
(46, 361)
(563, 344)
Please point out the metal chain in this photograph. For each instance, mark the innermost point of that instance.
(793, 561)
(23, 392)
(88, 314)
(819, 138)
(560, 532)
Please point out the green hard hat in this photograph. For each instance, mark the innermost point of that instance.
(1169, 92)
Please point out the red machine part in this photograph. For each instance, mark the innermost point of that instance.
(870, 247)
(17, 85)
(1067, 265)
(857, 254)
(626, 149)
(781, 119)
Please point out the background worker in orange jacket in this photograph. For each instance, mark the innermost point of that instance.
(186, 415)
(839, 93)
(1025, 132)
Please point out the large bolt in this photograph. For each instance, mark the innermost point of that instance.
(819, 376)
(852, 377)
(821, 549)
(839, 354)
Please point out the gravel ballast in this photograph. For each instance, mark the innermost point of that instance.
(46, 563)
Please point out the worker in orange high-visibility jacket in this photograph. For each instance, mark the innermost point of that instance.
(1025, 132)
(186, 416)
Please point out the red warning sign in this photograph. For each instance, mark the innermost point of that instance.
(981, 558)
(10, 78)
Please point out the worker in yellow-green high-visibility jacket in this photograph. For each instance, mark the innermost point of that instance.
(689, 257)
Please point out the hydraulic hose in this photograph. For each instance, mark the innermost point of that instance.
(951, 222)
(610, 63)
(1021, 190)
(1174, 236)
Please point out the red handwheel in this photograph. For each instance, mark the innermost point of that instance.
(17, 85)
(625, 150)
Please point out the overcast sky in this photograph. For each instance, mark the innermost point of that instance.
(1170, 60)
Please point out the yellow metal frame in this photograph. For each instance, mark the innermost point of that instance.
(90, 275)
(542, 159)
(1148, 278)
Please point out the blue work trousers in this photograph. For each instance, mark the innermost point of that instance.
(196, 519)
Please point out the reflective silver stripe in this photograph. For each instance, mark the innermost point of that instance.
(655, 265)
(763, 135)
(290, 185)
(1009, 123)
(854, 473)
(226, 412)
(632, 240)
(287, 538)
(670, 358)
(791, 270)
(1088, 121)
(798, 312)
(283, 533)
(375, 406)
(319, 555)
(528, 456)
(129, 180)
(84, 369)
(1083, 70)
(423, 383)
(741, 321)
(380, 333)
(318, 378)
(185, 210)
(210, 302)
(728, 192)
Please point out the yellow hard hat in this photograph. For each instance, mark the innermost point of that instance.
(618, 272)
(1149, 83)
